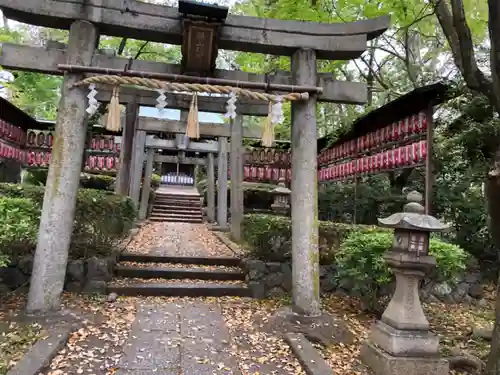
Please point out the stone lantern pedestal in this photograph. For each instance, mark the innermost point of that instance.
(281, 202)
(401, 343)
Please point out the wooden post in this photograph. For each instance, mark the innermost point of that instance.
(222, 183)
(304, 186)
(429, 177)
(146, 186)
(137, 165)
(56, 222)
(210, 188)
(127, 144)
(236, 177)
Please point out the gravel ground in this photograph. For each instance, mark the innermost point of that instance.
(178, 239)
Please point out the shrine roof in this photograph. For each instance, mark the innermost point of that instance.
(402, 107)
(16, 116)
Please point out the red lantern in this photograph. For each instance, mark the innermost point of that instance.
(31, 138)
(40, 139)
(31, 158)
(92, 162)
(414, 124)
(390, 159)
(423, 149)
(359, 166)
(371, 139)
(50, 139)
(380, 160)
(260, 172)
(423, 121)
(109, 163)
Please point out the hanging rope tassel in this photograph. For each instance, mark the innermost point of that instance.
(268, 130)
(193, 125)
(113, 122)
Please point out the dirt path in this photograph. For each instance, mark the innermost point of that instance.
(178, 239)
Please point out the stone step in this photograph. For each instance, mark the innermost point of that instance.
(208, 261)
(166, 207)
(178, 197)
(177, 203)
(178, 273)
(178, 215)
(180, 290)
(176, 220)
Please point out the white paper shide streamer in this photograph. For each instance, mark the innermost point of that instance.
(231, 106)
(93, 103)
(277, 116)
(161, 100)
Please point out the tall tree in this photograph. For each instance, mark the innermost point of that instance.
(454, 23)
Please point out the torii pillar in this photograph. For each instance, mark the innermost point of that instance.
(305, 254)
(58, 210)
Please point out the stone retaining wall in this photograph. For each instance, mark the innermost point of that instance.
(272, 279)
(89, 276)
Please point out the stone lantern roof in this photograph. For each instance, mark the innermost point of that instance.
(413, 217)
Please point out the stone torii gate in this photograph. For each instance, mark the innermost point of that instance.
(304, 42)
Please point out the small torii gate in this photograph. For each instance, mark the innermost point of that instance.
(304, 42)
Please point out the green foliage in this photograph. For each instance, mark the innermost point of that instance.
(18, 225)
(360, 262)
(269, 237)
(155, 181)
(102, 218)
(87, 180)
(96, 181)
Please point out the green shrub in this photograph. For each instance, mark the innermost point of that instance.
(18, 226)
(96, 181)
(360, 262)
(269, 237)
(38, 177)
(102, 218)
(155, 181)
(35, 176)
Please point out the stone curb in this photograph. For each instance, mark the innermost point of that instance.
(230, 244)
(218, 228)
(309, 358)
(38, 358)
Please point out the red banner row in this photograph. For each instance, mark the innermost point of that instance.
(266, 173)
(415, 124)
(43, 139)
(93, 162)
(12, 152)
(12, 133)
(268, 156)
(401, 157)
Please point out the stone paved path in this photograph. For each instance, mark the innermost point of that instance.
(177, 338)
(178, 239)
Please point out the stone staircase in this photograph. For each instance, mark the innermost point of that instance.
(185, 208)
(151, 275)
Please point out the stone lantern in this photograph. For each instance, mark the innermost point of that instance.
(401, 343)
(281, 202)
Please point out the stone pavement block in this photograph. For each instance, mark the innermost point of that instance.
(207, 346)
(168, 371)
(149, 350)
(157, 318)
